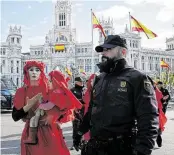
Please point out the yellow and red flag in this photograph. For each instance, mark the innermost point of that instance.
(164, 64)
(59, 47)
(137, 26)
(96, 24)
(68, 71)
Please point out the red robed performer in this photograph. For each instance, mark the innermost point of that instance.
(86, 99)
(62, 96)
(26, 101)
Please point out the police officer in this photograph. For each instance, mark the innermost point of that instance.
(78, 114)
(121, 97)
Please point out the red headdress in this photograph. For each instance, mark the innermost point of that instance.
(59, 81)
(42, 81)
(19, 100)
(41, 66)
(57, 77)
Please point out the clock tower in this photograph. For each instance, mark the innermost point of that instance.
(63, 14)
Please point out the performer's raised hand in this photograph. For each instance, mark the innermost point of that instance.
(31, 102)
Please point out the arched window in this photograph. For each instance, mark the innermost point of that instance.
(11, 69)
(63, 38)
(17, 81)
(142, 58)
(135, 64)
(17, 70)
(62, 19)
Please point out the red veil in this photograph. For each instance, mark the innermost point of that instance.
(62, 96)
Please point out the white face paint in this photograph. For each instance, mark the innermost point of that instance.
(34, 73)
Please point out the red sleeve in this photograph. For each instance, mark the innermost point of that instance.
(19, 98)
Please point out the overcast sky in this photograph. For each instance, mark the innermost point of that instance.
(37, 17)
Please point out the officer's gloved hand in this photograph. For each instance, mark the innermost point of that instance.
(76, 141)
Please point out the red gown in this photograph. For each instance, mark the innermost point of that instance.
(50, 138)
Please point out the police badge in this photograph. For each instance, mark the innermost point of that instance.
(123, 84)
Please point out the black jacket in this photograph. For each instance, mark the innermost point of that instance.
(118, 99)
(165, 92)
(18, 114)
(77, 91)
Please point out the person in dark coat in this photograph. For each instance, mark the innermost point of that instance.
(166, 95)
(77, 90)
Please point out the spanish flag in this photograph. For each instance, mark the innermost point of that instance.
(96, 24)
(164, 64)
(59, 47)
(68, 71)
(137, 26)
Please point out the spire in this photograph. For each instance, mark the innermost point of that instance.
(126, 29)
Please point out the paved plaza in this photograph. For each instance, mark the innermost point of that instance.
(11, 132)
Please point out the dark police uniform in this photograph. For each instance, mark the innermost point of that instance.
(119, 99)
(77, 91)
(165, 92)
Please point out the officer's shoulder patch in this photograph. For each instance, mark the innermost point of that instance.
(123, 84)
(148, 86)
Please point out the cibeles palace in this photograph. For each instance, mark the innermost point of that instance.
(75, 54)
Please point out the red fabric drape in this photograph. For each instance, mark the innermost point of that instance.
(62, 96)
(162, 117)
(86, 99)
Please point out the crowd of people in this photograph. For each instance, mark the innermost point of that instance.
(121, 111)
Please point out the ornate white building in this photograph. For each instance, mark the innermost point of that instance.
(78, 54)
(10, 55)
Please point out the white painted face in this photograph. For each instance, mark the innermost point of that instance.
(34, 73)
(50, 83)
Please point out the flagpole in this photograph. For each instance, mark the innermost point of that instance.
(130, 22)
(131, 35)
(92, 54)
(160, 73)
